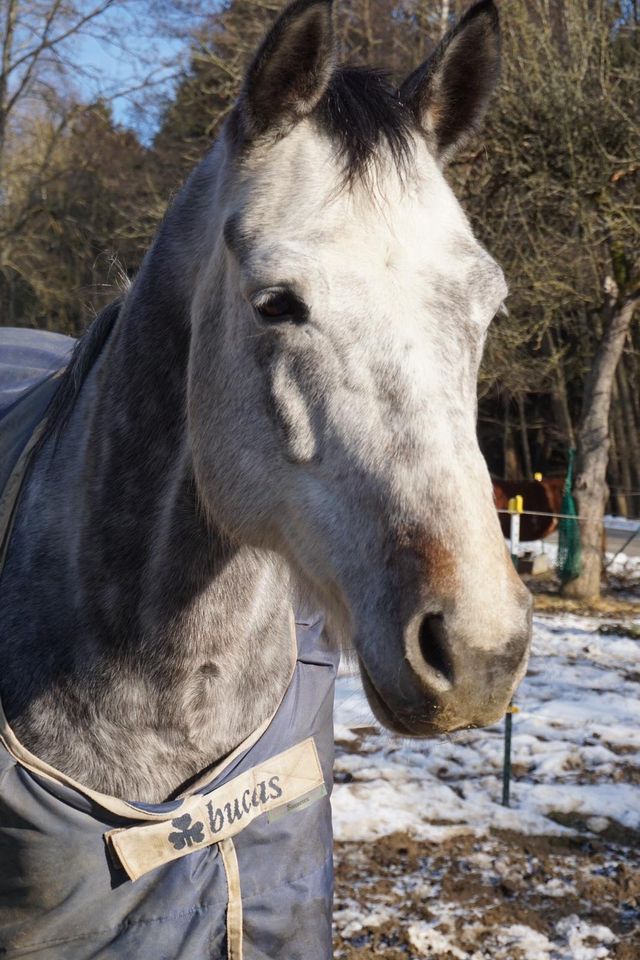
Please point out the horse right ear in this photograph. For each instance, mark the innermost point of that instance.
(450, 92)
(290, 72)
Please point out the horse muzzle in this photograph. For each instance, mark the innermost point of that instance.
(445, 683)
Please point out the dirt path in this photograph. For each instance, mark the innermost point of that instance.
(504, 896)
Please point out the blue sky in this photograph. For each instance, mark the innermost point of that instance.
(106, 68)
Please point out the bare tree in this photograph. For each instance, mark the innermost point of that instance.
(48, 86)
(553, 187)
(444, 15)
(590, 487)
(555, 192)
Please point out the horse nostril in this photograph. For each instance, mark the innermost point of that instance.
(433, 645)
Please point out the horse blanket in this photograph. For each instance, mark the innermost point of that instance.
(238, 868)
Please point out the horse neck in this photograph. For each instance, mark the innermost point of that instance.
(161, 608)
(139, 492)
(135, 482)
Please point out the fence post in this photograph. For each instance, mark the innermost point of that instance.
(506, 767)
(516, 506)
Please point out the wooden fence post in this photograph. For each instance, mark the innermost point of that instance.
(516, 507)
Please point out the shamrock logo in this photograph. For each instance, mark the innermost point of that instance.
(188, 833)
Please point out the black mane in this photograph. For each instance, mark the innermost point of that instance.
(85, 353)
(361, 109)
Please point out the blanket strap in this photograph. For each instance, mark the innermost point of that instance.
(234, 908)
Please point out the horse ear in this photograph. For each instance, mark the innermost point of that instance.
(291, 70)
(450, 92)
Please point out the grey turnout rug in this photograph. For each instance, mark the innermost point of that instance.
(238, 868)
(29, 361)
(26, 358)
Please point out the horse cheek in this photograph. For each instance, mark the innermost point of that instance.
(292, 414)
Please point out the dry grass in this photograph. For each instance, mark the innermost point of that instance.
(606, 606)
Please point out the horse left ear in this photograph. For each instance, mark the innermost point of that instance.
(450, 92)
(290, 71)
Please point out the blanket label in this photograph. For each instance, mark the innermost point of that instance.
(286, 783)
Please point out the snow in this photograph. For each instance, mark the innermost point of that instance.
(352, 918)
(576, 768)
(574, 938)
(535, 547)
(428, 940)
(576, 742)
(621, 523)
(572, 935)
(618, 564)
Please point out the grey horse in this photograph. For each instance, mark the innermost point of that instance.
(280, 411)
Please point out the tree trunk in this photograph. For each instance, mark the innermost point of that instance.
(593, 448)
(619, 462)
(444, 16)
(511, 467)
(633, 375)
(632, 447)
(8, 34)
(524, 438)
(559, 401)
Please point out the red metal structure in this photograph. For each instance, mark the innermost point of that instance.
(540, 496)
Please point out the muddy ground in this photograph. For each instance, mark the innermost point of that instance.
(489, 894)
(504, 896)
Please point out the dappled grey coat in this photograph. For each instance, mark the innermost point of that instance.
(239, 868)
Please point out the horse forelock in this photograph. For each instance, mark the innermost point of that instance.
(361, 112)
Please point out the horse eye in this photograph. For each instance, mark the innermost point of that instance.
(280, 306)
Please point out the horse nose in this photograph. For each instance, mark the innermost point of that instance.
(435, 649)
(475, 681)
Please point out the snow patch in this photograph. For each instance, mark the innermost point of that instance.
(430, 942)
(576, 932)
(576, 745)
(621, 523)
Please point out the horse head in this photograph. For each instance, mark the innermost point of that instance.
(338, 321)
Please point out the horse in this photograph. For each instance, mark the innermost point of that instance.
(280, 412)
(540, 496)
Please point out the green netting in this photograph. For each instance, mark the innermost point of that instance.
(569, 559)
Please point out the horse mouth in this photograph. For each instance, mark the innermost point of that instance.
(420, 727)
(433, 715)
